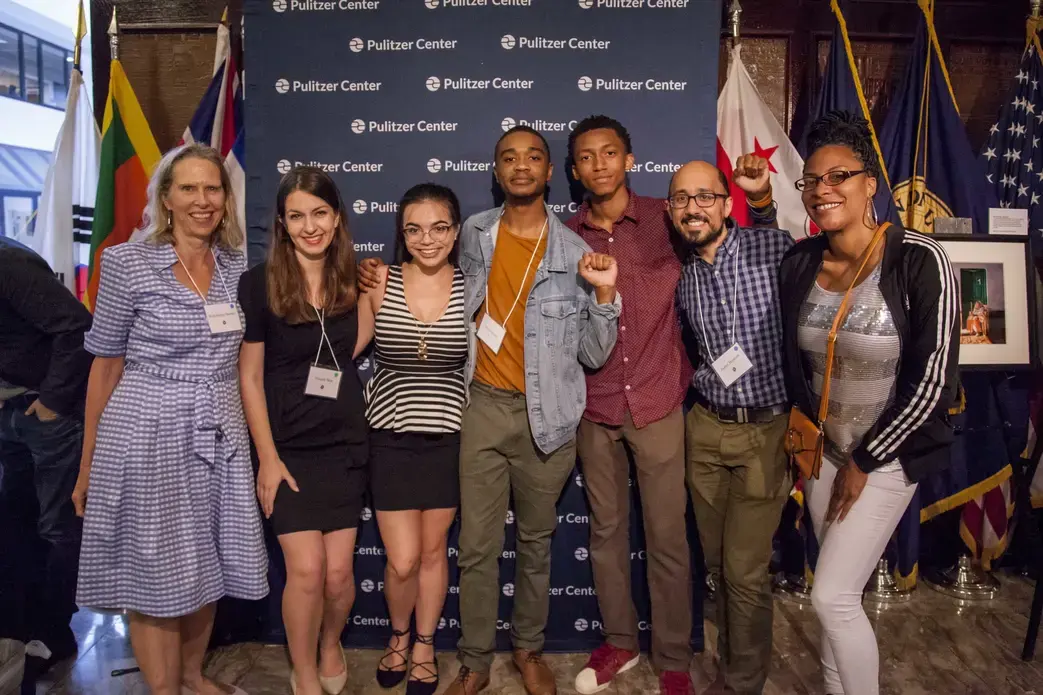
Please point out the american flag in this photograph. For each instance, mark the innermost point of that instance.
(1014, 156)
(1013, 152)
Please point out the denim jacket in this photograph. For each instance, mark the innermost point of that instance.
(564, 325)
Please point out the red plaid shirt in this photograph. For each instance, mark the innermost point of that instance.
(648, 372)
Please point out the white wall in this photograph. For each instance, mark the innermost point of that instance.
(29, 125)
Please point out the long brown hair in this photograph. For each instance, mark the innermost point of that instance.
(287, 289)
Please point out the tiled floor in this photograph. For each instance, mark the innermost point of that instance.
(928, 645)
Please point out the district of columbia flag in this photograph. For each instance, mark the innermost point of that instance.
(63, 225)
(128, 156)
(745, 125)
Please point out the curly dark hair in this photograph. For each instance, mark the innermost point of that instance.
(599, 122)
(848, 130)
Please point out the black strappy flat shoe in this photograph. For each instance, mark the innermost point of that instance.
(386, 677)
(424, 685)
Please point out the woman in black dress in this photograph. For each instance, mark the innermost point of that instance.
(304, 406)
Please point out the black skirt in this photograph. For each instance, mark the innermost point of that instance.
(413, 470)
(332, 494)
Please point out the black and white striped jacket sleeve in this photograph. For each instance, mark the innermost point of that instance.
(916, 420)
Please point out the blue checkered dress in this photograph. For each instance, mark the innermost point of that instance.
(752, 258)
(171, 522)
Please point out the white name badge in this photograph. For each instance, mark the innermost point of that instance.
(323, 382)
(732, 365)
(223, 318)
(491, 333)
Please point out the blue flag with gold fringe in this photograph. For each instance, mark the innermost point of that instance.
(933, 168)
(842, 91)
(935, 173)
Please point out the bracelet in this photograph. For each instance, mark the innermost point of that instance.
(762, 203)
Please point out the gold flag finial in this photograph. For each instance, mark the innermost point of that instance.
(1034, 8)
(224, 16)
(734, 13)
(81, 31)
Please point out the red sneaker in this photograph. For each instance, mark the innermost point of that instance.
(675, 683)
(604, 664)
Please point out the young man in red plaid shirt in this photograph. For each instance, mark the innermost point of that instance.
(634, 402)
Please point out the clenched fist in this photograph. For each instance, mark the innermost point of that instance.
(753, 176)
(600, 270)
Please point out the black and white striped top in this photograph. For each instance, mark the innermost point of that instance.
(407, 394)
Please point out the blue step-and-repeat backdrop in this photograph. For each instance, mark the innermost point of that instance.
(384, 94)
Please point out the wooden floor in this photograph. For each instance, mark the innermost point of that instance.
(928, 645)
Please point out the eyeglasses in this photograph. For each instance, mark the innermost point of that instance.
(439, 232)
(704, 199)
(830, 178)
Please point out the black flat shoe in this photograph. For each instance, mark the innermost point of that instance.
(387, 678)
(423, 685)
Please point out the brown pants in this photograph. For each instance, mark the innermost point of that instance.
(497, 458)
(658, 451)
(739, 480)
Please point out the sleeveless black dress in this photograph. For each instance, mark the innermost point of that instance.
(323, 442)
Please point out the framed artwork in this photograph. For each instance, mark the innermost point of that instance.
(996, 297)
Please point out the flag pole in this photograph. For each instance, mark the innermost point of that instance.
(114, 37)
(81, 31)
(734, 14)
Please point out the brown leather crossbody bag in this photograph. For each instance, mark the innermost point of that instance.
(805, 442)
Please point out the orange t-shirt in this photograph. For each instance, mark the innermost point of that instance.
(506, 368)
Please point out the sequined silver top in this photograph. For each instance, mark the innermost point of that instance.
(865, 361)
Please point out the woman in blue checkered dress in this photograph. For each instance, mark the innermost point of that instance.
(166, 485)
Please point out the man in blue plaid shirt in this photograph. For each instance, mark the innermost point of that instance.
(736, 468)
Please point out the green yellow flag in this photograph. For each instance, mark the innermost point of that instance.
(128, 156)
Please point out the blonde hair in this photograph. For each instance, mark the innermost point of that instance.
(155, 221)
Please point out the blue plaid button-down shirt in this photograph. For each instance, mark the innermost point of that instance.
(751, 258)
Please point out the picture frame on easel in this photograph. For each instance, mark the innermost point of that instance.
(996, 293)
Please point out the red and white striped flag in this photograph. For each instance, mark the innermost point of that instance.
(745, 125)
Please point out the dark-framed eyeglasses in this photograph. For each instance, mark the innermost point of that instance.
(439, 232)
(830, 178)
(704, 199)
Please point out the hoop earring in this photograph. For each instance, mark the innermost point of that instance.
(871, 214)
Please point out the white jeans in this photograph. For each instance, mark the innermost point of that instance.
(849, 552)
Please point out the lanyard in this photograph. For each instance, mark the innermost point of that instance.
(735, 303)
(521, 287)
(325, 338)
(219, 275)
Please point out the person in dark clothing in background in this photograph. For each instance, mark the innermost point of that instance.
(43, 383)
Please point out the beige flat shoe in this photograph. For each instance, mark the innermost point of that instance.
(334, 684)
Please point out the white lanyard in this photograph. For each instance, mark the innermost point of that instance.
(735, 303)
(220, 275)
(325, 338)
(521, 287)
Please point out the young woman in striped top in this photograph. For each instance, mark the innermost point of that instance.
(414, 405)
